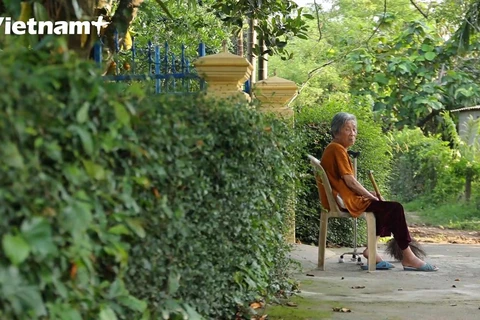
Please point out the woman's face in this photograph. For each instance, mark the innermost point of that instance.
(347, 135)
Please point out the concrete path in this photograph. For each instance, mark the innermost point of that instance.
(451, 293)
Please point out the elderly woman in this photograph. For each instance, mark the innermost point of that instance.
(390, 217)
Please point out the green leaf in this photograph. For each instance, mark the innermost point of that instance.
(94, 170)
(77, 216)
(378, 106)
(380, 78)
(192, 313)
(86, 139)
(137, 226)
(171, 306)
(463, 91)
(38, 234)
(173, 283)
(436, 105)
(15, 248)
(427, 47)
(53, 150)
(119, 229)
(117, 289)
(30, 297)
(121, 113)
(404, 67)
(11, 155)
(23, 299)
(107, 314)
(132, 303)
(82, 113)
(143, 181)
(430, 56)
(64, 312)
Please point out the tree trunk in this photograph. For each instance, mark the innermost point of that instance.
(262, 62)
(252, 39)
(121, 21)
(240, 43)
(65, 11)
(468, 184)
(90, 10)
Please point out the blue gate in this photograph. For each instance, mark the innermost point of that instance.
(169, 73)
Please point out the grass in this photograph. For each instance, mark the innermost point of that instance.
(305, 309)
(460, 215)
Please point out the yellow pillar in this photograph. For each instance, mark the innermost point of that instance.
(225, 74)
(274, 94)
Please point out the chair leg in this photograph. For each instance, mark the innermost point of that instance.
(372, 241)
(322, 241)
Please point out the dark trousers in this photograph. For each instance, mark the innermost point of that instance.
(390, 218)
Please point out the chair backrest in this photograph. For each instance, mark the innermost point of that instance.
(322, 182)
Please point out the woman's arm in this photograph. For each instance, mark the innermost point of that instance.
(357, 187)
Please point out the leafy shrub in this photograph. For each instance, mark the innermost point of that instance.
(422, 166)
(313, 125)
(214, 231)
(65, 189)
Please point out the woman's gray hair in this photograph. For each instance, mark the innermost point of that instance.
(339, 120)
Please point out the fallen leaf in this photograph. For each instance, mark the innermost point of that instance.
(49, 212)
(73, 271)
(291, 304)
(358, 287)
(256, 305)
(341, 310)
(457, 279)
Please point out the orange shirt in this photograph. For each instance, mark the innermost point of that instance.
(336, 163)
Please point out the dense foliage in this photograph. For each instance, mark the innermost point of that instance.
(181, 198)
(422, 165)
(214, 233)
(66, 189)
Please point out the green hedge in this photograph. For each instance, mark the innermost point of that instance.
(313, 125)
(115, 205)
(65, 195)
(214, 235)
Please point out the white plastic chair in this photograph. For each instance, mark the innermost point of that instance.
(335, 212)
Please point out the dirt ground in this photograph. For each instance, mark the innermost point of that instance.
(430, 234)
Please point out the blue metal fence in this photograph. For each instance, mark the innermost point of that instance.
(169, 73)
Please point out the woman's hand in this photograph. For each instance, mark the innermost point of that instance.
(371, 197)
(357, 187)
